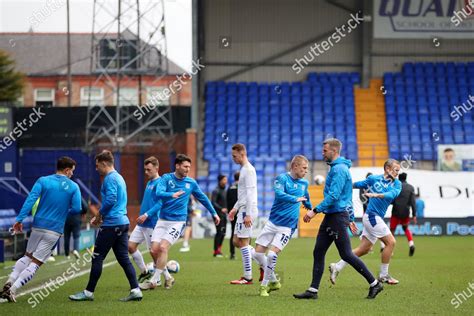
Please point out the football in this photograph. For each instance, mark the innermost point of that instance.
(172, 266)
(319, 179)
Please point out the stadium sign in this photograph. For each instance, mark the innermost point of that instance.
(446, 194)
(423, 19)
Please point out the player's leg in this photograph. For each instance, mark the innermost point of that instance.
(76, 235)
(136, 238)
(44, 242)
(220, 234)
(263, 241)
(231, 241)
(24, 261)
(103, 243)
(343, 244)
(384, 276)
(323, 242)
(411, 243)
(67, 238)
(242, 241)
(187, 235)
(120, 248)
(361, 250)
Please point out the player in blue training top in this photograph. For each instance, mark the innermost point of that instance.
(337, 207)
(58, 196)
(175, 190)
(113, 231)
(149, 211)
(382, 190)
(290, 191)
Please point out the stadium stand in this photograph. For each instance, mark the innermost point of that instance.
(419, 102)
(275, 121)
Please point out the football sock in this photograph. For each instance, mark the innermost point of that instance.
(341, 265)
(313, 290)
(384, 269)
(185, 244)
(138, 258)
(166, 274)
(18, 268)
(411, 243)
(88, 293)
(247, 261)
(374, 283)
(156, 276)
(25, 276)
(270, 267)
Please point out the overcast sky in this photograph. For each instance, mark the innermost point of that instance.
(17, 16)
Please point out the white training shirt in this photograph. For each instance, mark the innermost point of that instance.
(247, 191)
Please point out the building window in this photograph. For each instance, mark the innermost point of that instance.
(108, 53)
(44, 97)
(95, 94)
(128, 96)
(161, 96)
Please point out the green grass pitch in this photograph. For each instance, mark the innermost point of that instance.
(441, 267)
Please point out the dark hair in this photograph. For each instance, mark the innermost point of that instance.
(64, 163)
(236, 176)
(220, 177)
(402, 176)
(448, 150)
(180, 158)
(334, 143)
(105, 156)
(153, 160)
(368, 174)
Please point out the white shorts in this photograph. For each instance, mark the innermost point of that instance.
(277, 236)
(374, 228)
(240, 230)
(142, 234)
(168, 230)
(41, 243)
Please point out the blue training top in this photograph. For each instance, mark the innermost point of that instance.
(151, 204)
(58, 196)
(114, 200)
(177, 209)
(285, 209)
(378, 184)
(338, 189)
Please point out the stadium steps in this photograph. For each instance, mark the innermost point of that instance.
(371, 125)
(311, 229)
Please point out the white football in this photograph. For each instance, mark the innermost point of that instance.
(319, 179)
(172, 266)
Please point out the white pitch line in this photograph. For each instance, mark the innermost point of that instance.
(81, 273)
(61, 262)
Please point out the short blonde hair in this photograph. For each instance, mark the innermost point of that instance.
(239, 147)
(297, 159)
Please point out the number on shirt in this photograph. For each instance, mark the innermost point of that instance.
(174, 233)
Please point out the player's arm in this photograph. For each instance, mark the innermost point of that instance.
(280, 194)
(110, 197)
(413, 203)
(251, 190)
(76, 201)
(34, 195)
(364, 184)
(161, 190)
(307, 203)
(155, 209)
(214, 197)
(201, 197)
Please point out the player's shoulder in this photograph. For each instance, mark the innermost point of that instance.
(282, 177)
(397, 183)
(304, 181)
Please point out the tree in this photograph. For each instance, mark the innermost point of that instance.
(11, 81)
